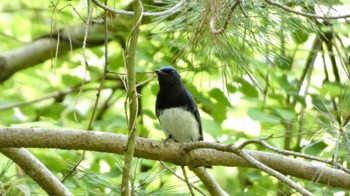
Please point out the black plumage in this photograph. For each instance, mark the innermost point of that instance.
(176, 109)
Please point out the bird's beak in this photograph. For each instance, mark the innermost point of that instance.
(158, 72)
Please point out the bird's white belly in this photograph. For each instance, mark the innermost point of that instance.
(179, 124)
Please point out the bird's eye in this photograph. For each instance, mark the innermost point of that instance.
(172, 72)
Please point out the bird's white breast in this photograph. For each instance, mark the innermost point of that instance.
(180, 124)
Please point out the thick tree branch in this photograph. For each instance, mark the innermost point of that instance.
(36, 170)
(29, 55)
(168, 152)
(209, 181)
(44, 48)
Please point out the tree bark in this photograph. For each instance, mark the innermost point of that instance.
(36, 170)
(168, 152)
(55, 45)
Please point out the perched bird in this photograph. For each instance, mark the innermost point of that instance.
(175, 108)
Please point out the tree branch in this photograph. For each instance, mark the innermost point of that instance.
(269, 170)
(209, 181)
(132, 100)
(288, 9)
(61, 42)
(179, 177)
(54, 95)
(29, 55)
(169, 11)
(36, 170)
(295, 154)
(251, 160)
(169, 152)
(227, 20)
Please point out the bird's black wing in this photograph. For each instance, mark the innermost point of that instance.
(158, 110)
(192, 107)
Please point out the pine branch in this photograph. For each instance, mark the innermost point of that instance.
(170, 152)
(209, 181)
(167, 12)
(36, 170)
(308, 15)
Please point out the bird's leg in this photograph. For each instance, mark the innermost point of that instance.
(169, 139)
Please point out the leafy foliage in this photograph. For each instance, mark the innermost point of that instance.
(269, 73)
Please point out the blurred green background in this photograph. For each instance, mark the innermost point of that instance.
(270, 73)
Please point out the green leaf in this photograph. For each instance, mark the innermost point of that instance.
(261, 116)
(116, 60)
(217, 111)
(52, 159)
(300, 33)
(300, 36)
(219, 96)
(315, 148)
(52, 111)
(230, 88)
(211, 127)
(319, 103)
(19, 189)
(247, 89)
(287, 115)
(150, 113)
(70, 80)
(215, 105)
(283, 62)
(288, 86)
(332, 89)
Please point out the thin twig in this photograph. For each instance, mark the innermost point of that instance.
(74, 168)
(106, 105)
(51, 31)
(292, 153)
(86, 33)
(186, 180)
(105, 70)
(271, 171)
(316, 47)
(243, 11)
(337, 48)
(179, 177)
(223, 28)
(169, 11)
(45, 97)
(274, 3)
(245, 155)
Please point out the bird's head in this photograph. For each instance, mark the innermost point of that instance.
(168, 76)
